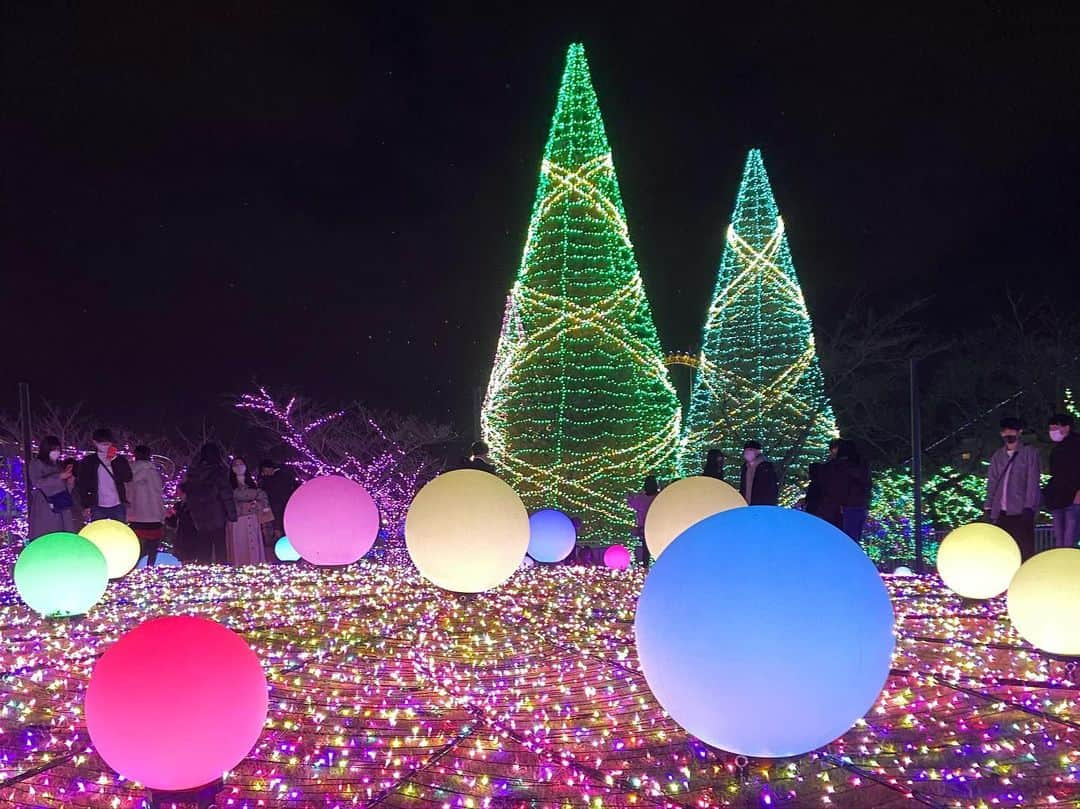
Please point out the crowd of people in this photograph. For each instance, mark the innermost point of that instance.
(222, 514)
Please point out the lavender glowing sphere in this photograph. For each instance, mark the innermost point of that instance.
(331, 520)
(176, 702)
(617, 557)
(552, 536)
(163, 560)
(765, 631)
(61, 574)
(467, 531)
(117, 543)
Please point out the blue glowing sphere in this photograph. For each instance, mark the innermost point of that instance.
(551, 536)
(284, 551)
(163, 560)
(765, 631)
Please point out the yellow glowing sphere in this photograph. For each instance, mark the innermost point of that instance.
(684, 503)
(117, 543)
(467, 531)
(978, 560)
(1044, 601)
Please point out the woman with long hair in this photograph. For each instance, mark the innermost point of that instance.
(50, 495)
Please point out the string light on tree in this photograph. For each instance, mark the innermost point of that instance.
(579, 406)
(758, 375)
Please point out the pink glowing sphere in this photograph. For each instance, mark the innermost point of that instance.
(617, 557)
(176, 702)
(331, 520)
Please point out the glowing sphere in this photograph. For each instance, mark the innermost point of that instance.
(284, 551)
(551, 536)
(331, 521)
(978, 560)
(1044, 601)
(903, 570)
(61, 574)
(765, 631)
(163, 560)
(684, 503)
(116, 542)
(467, 531)
(176, 702)
(617, 557)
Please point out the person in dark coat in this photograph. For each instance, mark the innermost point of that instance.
(1061, 496)
(477, 458)
(279, 483)
(851, 486)
(102, 478)
(714, 464)
(758, 483)
(210, 502)
(821, 495)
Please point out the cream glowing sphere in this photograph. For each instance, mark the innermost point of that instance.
(117, 543)
(467, 531)
(1044, 601)
(683, 503)
(978, 560)
(331, 520)
(61, 575)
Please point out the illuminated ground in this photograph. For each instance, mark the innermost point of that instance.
(387, 691)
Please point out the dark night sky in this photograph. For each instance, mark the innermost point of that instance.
(334, 200)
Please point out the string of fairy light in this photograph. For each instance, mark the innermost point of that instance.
(758, 375)
(580, 407)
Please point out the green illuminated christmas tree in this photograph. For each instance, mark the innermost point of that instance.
(579, 407)
(758, 376)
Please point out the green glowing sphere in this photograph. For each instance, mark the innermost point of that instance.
(61, 574)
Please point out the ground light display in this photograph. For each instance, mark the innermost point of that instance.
(386, 691)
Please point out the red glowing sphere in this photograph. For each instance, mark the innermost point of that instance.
(331, 520)
(176, 702)
(617, 557)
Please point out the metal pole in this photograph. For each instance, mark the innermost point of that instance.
(24, 424)
(916, 466)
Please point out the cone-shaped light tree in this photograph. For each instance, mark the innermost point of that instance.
(758, 375)
(579, 407)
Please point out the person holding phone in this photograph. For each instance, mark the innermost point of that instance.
(50, 500)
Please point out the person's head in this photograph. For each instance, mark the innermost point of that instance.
(142, 453)
(834, 447)
(1060, 426)
(103, 439)
(238, 472)
(49, 451)
(1010, 428)
(751, 451)
(267, 468)
(651, 487)
(210, 454)
(714, 458)
(847, 450)
(478, 449)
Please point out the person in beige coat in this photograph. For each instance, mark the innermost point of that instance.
(146, 504)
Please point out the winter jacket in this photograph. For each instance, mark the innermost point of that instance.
(146, 502)
(87, 478)
(766, 489)
(1064, 473)
(852, 482)
(279, 488)
(209, 496)
(1022, 492)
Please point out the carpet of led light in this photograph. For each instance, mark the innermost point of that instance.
(388, 691)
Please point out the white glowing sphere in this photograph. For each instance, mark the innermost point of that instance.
(467, 531)
(683, 503)
(978, 560)
(117, 543)
(1044, 601)
(903, 570)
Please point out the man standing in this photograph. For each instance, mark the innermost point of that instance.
(757, 479)
(101, 479)
(279, 484)
(1012, 487)
(1061, 497)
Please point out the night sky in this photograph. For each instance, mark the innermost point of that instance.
(334, 201)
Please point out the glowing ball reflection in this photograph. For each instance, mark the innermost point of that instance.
(163, 560)
(176, 702)
(467, 531)
(331, 520)
(284, 551)
(978, 560)
(736, 631)
(118, 543)
(61, 574)
(1044, 601)
(551, 536)
(617, 557)
(683, 503)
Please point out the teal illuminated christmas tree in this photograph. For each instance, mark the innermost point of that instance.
(758, 375)
(579, 407)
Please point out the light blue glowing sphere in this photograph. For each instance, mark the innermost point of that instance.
(551, 536)
(163, 560)
(765, 631)
(284, 551)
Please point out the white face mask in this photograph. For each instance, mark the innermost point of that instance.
(54, 455)
(239, 470)
(1057, 435)
(103, 448)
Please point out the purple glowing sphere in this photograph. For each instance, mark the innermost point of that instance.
(331, 521)
(617, 557)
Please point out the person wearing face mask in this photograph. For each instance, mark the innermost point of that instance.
(1061, 497)
(244, 537)
(1012, 487)
(102, 480)
(757, 478)
(50, 500)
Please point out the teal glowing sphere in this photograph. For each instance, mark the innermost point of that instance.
(61, 574)
(284, 551)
